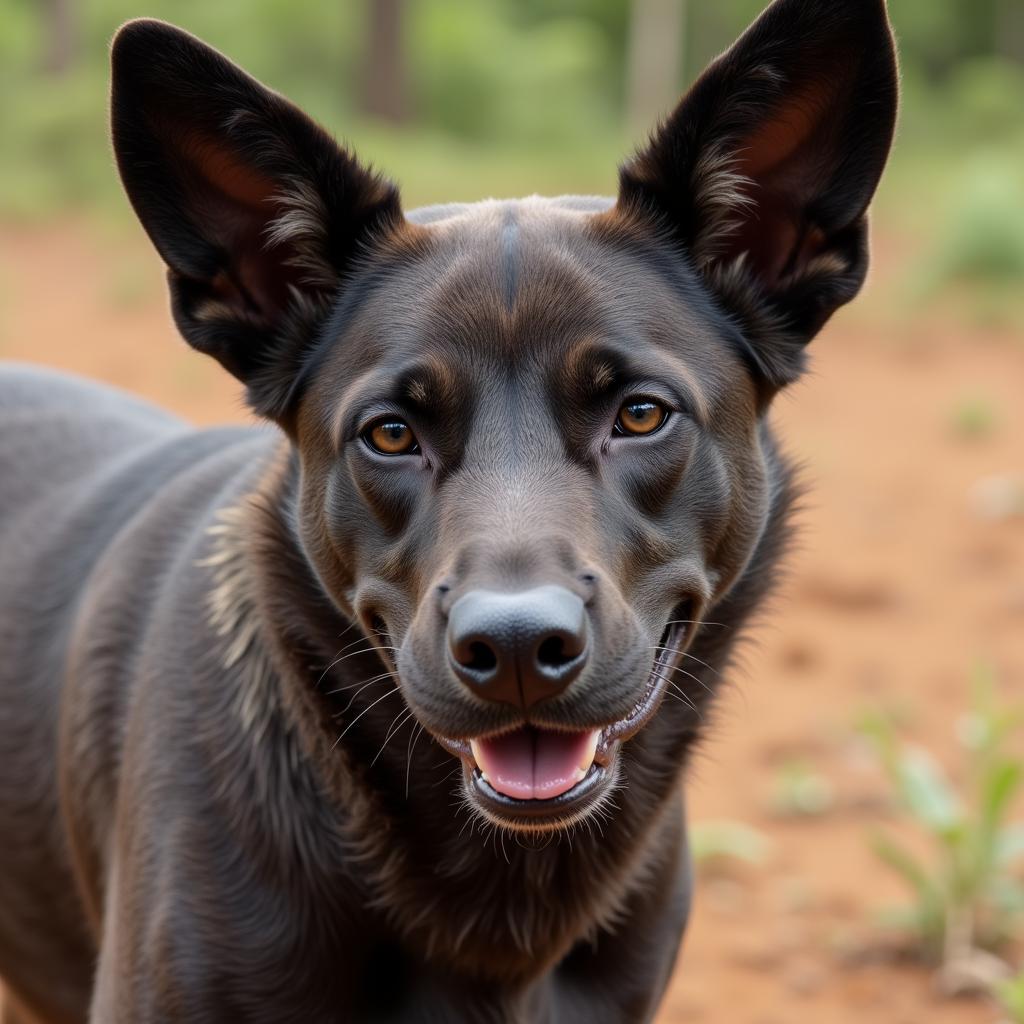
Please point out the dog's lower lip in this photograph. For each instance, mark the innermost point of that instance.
(561, 807)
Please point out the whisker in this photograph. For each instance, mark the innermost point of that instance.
(348, 629)
(696, 679)
(361, 713)
(413, 740)
(693, 657)
(695, 622)
(680, 695)
(364, 682)
(399, 720)
(358, 640)
(700, 682)
(355, 697)
(334, 661)
(338, 660)
(457, 768)
(685, 654)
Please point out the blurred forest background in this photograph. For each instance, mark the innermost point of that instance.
(860, 802)
(469, 98)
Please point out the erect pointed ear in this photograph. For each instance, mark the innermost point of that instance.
(764, 171)
(257, 212)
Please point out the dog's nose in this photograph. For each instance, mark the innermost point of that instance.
(518, 648)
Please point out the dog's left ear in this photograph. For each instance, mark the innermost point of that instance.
(764, 171)
(259, 215)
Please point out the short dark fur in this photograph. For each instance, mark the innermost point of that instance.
(215, 804)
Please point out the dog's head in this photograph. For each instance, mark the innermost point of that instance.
(531, 433)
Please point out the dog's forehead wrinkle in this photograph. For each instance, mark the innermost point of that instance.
(510, 263)
(527, 279)
(506, 285)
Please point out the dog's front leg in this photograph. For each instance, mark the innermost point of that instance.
(112, 999)
(161, 963)
(130, 985)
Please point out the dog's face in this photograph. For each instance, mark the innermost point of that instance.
(533, 428)
(530, 433)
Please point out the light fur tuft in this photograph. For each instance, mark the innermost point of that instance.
(233, 615)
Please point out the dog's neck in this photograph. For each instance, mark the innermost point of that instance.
(387, 815)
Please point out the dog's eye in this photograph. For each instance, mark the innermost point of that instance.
(640, 416)
(391, 437)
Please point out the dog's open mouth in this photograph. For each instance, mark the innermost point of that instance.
(534, 773)
(535, 764)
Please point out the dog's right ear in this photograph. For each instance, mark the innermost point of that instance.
(257, 212)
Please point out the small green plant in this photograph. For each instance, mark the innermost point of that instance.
(715, 843)
(974, 418)
(968, 893)
(800, 791)
(1011, 995)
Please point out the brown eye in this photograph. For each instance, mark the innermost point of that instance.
(640, 417)
(391, 437)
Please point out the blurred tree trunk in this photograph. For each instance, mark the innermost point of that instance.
(1009, 26)
(385, 73)
(654, 62)
(61, 36)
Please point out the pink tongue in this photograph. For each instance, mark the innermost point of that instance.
(535, 764)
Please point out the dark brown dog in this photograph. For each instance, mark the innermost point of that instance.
(359, 717)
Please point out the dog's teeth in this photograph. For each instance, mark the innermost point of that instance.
(483, 775)
(587, 758)
(475, 750)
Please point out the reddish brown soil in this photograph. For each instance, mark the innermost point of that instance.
(898, 586)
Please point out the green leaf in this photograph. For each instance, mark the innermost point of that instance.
(1007, 896)
(877, 727)
(715, 840)
(900, 860)
(1001, 785)
(1010, 845)
(1011, 994)
(926, 916)
(926, 791)
(906, 865)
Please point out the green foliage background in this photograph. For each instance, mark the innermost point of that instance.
(520, 96)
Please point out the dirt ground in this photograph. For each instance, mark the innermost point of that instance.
(899, 586)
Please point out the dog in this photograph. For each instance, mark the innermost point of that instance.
(381, 711)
